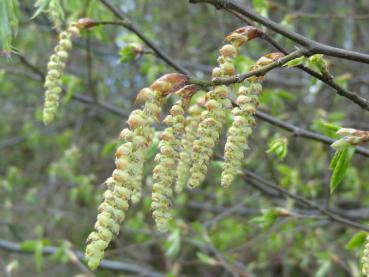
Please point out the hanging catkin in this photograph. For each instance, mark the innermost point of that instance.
(129, 160)
(169, 148)
(191, 124)
(55, 71)
(217, 103)
(243, 119)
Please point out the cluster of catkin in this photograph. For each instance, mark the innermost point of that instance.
(217, 104)
(125, 183)
(186, 145)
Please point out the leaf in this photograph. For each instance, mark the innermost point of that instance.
(28, 245)
(267, 219)
(35, 246)
(278, 146)
(8, 22)
(42, 5)
(173, 243)
(295, 62)
(127, 54)
(339, 165)
(356, 241)
(206, 259)
(261, 6)
(316, 62)
(324, 269)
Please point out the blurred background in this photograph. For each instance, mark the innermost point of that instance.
(51, 178)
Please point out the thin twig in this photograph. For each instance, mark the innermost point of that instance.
(251, 176)
(105, 264)
(313, 46)
(357, 99)
(132, 27)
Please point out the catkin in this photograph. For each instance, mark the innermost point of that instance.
(165, 169)
(247, 101)
(126, 179)
(55, 71)
(212, 119)
(191, 124)
(169, 148)
(365, 258)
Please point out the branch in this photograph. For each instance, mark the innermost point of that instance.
(313, 46)
(252, 177)
(105, 264)
(239, 78)
(300, 132)
(126, 23)
(362, 102)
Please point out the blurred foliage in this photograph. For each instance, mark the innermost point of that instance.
(51, 177)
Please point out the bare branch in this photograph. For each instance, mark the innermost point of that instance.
(106, 264)
(313, 46)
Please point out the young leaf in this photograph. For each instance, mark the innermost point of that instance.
(173, 243)
(42, 5)
(8, 22)
(206, 259)
(356, 241)
(339, 164)
(295, 62)
(278, 146)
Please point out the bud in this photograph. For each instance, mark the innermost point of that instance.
(85, 23)
(228, 50)
(339, 144)
(346, 132)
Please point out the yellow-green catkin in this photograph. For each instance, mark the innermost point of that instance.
(164, 171)
(237, 136)
(170, 146)
(213, 118)
(126, 179)
(365, 258)
(191, 124)
(55, 71)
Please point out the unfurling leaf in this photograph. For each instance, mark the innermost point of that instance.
(295, 62)
(340, 163)
(278, 146)
(206, 259)
(356, 241)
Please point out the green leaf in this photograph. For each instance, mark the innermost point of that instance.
(37, 247)
(42, 5)
(109, 148)
(295, 62)
(261, 6)
(324, 269)
(173, 243)
(8, 22)
(206, 259)
(127, 54)
(316, 62)
(267, 219)
(278, 146)
(356, 241)
(339, 165)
